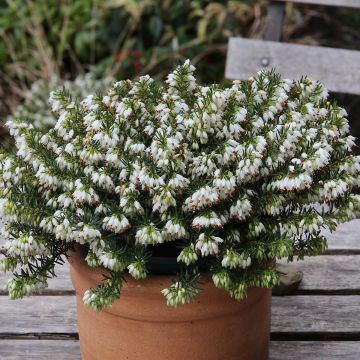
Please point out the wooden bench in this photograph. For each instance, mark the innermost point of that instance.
(338, 69)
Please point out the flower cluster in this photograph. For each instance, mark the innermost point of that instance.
(35, 109)
(228, 178)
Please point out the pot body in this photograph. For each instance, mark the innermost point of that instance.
(140, 326)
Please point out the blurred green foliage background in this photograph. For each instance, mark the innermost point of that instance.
(40, 39)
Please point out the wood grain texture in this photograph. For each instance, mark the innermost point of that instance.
(346, 236)
(314, 350)
(38, 314)
(274, 21)
(321, 273)
(290, 314)
(338, 69)
(316, 314)
(329, 273)
(40, 350)
(279, 350)
(339, 3)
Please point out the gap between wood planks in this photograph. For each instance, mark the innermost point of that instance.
(39, 336)
(315, 336)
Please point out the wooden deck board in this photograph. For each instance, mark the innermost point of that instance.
(316, 314)
(290, 314)
(314, 350)
(346, 237)
(279, 350)
(321, 273)
(38, 314)
(329, 273)
(39, 349)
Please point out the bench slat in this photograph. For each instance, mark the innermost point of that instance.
(314, 350)
(40, 349)
(338, 69)
(279, 350)
(329, 273)
(344, 3)
(290, 314)
(316, 314)
(346, 236)
(321, 273)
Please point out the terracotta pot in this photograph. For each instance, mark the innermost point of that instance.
(140, 326)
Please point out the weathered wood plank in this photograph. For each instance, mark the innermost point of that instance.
(340, 3)
(314, 350)
(346, 236)
(316, 314)
(325, 272)
(279, 350)
(246, 56)
(40, 349)
(274, 21)
(329, 273)
(290, 314)
(38, 314)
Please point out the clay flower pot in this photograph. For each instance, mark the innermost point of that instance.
(140, 326)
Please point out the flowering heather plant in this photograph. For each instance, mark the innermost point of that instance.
(227, 179)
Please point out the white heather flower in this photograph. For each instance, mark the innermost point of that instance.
(84, 195)
(332, 189)
(209, 219)
(241, 209)
(111, 261)
(224, 185)
(102, 209)
(173, 230)
(318, 160)
(294, 183)
(18, 288)
(137, 270)
(221, 279)
(233, 236)
(107, 139)
(92, 259)
(178, 182)
(233, 259)
(134, 147)
(66, 201)
(116, 223)
(103, 180)
(46, 179)
(256, 228)
(240, 115)
(208, 244)
(91, 155)
(148, 235)
(188, 255)
(201, 198)
(163, 200)
(85, 234)
(248, 168)
(26, 245)
(173, 77)
(148, 181)
(202, 165)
